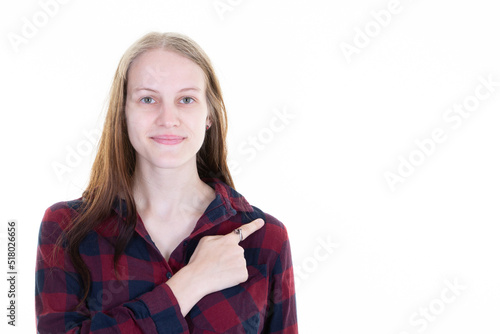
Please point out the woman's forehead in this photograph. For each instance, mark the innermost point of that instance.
(160, 67)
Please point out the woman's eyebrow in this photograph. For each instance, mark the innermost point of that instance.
(144, 88)
(190, 88)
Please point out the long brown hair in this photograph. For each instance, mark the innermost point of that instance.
(113, 167)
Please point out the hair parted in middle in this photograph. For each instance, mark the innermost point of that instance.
(113, 168)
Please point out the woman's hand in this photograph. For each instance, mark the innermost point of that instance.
(217, 263)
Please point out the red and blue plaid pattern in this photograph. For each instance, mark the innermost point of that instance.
(138, 301)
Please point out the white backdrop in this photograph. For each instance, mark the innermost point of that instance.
(369, 128)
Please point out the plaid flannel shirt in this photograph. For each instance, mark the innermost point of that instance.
(139, 301)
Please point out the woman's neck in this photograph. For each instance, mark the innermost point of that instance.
(166, 193)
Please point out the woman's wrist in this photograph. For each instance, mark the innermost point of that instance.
(186, 288)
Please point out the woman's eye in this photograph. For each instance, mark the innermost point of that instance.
(187, 100)
(147, 100)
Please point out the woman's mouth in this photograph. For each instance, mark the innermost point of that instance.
(168, 139)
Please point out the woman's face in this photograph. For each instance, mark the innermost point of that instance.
(166, 109)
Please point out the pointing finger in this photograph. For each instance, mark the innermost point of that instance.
(248, 229)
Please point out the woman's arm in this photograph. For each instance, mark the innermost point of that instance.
(217, 263)
(281, 314)
(57, 290)
(156, 311)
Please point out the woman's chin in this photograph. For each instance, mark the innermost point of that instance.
(169, 163)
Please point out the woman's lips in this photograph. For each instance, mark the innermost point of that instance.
(168, 139)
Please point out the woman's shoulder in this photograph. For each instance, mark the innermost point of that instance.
(272, 224)
(57, 217)
(251, 212)
(62, 210)
(273, 228)
(255, 213)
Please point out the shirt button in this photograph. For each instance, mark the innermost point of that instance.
(169, 275)
(185, 243)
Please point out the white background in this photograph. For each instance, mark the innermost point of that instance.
(391, 251)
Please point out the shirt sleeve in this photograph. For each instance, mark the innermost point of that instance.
(282, 312)
(57, 289)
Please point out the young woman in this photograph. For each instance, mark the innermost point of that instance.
(160, 242)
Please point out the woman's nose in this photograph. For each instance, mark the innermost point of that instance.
(168, 116)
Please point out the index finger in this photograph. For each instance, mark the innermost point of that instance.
(248, 229)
